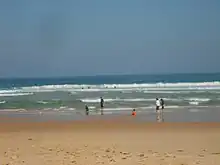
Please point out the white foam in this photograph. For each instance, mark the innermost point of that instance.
(12, 110)
(71, 109)
(159, 91)
(14, 94)
(166, 107)
(92, 107)
(136, 100)
(194, 103)
(2, 102)
(172, 106)
(123, 87)
(172, 91)
(42, 102)
(63, 107)
(198, 99)
(60, 109)
(97, 100)
(47, 109)
(9, 91)
(118, 109)
(138, 108)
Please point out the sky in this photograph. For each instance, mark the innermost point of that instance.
(43, 38)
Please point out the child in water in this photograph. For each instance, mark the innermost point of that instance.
(133, 112)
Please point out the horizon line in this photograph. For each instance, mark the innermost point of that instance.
(109, 75)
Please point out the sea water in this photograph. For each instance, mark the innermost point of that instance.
(121, 93)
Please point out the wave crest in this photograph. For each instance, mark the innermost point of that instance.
(121, 87)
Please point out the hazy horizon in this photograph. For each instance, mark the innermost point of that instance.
(109, 75)
(119, 37)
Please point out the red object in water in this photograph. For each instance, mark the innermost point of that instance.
(133, 113)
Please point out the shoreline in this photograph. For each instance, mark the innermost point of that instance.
(208, 114)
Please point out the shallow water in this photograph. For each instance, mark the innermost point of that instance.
(169, 115)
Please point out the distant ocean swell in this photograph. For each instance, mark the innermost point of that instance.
(117, 96)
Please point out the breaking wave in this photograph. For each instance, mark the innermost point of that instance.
(14, 94)
(74, 96)
(124, 88)
(115, 87)
(2, 102)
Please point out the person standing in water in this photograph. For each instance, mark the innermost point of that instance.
(162, 108)
(157, 104)
(87, 110)
(162, 103)
(101, 104)
(158, 113)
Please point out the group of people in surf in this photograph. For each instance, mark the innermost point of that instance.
(159, 105)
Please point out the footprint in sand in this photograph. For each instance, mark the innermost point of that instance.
(74, 162)
(125, 155)
(141, 155)
(180, 150)
(215, 153)
(14, 157)
(112, 160)
(201, 155)
(108, 150)
(169, 155)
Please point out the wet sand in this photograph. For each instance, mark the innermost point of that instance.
(121, 141)
(199, 114)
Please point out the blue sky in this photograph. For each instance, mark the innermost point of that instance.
(89, 37)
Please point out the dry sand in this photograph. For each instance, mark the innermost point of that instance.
(121, 142)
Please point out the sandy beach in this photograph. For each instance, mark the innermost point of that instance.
(113, 141)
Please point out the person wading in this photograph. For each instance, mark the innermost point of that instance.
(162, 108)
(162, 103)
(101, 105)
(87, 110)
(157, 104)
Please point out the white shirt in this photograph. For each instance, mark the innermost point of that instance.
(158, 103)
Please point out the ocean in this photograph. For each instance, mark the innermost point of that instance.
(121, 93)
